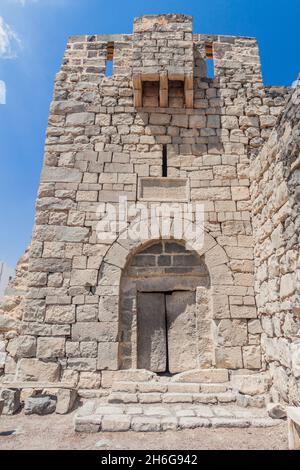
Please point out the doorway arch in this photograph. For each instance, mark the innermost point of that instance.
(164, 311)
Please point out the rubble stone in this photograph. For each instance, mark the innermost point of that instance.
(40, 405)
(11, 400)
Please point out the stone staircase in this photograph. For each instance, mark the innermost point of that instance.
(170, 392)
(95, 416)
(202, 398)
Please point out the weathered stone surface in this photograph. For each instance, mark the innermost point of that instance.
(116, 397)
(242, 311)
(60, 314)
(22, 346)
(50, 347)
(182, 336)
(276, 410)
(145, 424)
(117, 423)
(252, 357)
(40, 405)
(202, 375)
(66, 107)
(61, 233)
(229, 357)
(35, 370)
(251, 384)
(82, 364)
(275, 180)
(11, 400)
(98, 331)
(233, 332)
(84, 277)
(65, 400)
(80, 119)
(89, 380)
(108, 356)
(60, 174)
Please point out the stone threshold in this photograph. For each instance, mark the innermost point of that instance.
(97, 417)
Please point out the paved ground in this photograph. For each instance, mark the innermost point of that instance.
(56, 432)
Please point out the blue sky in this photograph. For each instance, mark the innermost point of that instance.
(33, 36)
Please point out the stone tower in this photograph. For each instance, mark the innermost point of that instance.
(157, 131)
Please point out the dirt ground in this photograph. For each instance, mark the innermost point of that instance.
(55, 432)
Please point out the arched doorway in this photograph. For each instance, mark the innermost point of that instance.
(161, 312)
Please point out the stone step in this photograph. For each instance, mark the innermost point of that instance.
(168, 386)
(94, 417)
(35, 385)
(171, 397)
(190, 376)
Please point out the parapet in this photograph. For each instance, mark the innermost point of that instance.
(163, 52)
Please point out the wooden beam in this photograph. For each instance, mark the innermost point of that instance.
(209, 51)
(163, 90)
(138, 98)
(150, 77)
(189, 91)
(110, 51)
(137, 82)
(176, 77)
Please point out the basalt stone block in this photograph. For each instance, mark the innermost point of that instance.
(276, 411)
(40, 405)
(11, 401)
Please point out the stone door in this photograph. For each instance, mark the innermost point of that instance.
(151, 324)
(167, 336)
(181, 331)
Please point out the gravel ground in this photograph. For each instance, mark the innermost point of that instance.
(55, 432)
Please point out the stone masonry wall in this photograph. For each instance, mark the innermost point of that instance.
(275, 176)
(100, 147)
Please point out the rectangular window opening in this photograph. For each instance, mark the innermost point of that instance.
(109, 68)
(209, 60)
(164, 161)
(150, 93)
(176, 94)
(210, 68)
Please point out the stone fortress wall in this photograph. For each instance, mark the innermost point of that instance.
(106, 137)
(275, 206)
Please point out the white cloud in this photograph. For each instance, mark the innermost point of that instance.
(49, 3)
(9, 41)
(2, 92)
(23, 2)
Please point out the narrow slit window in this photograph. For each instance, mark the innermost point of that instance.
(209, 60)
(109, 68)
(164, 161)
(210, 68)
